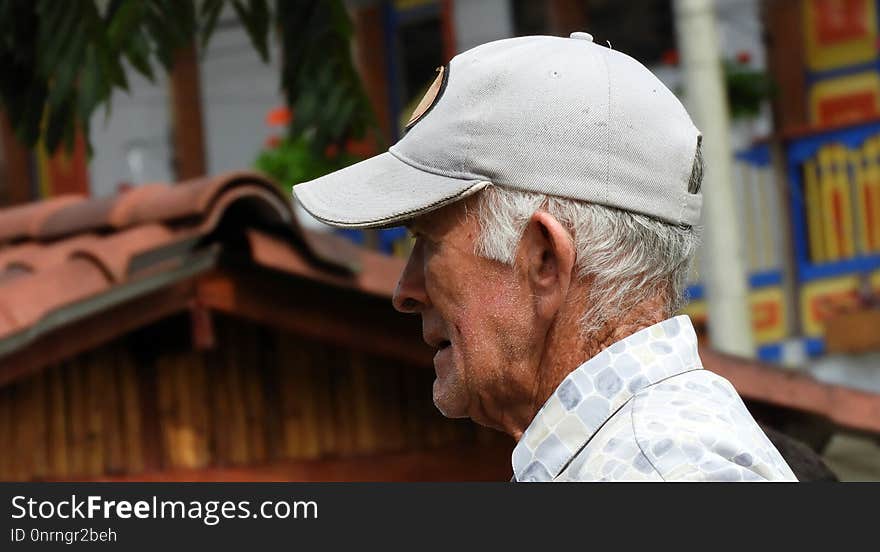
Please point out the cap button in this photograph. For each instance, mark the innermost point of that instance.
(581, 36)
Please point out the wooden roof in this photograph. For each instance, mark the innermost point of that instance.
(65, 259)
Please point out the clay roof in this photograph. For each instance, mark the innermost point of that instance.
(72, 250)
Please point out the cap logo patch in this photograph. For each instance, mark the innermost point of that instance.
(431, 96)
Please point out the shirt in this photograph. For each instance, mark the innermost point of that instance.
(644, 409)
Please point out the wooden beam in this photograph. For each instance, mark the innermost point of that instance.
(15, 177)
(186, 115)
(201, 326)
(332, 315)
(447, 29)
(67, 172)
(313, 309)
(150, 427)
(786, 62)
(369, 58)
(788, 258)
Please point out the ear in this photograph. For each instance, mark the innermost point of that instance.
(548, 256)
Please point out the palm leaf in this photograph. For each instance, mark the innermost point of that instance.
(63, 60)
(254, 16)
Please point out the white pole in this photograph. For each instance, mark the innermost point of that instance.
(724, 277)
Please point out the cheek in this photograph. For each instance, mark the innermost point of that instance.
(494, 323)
(486, 309)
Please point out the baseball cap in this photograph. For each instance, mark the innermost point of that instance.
(559, 116)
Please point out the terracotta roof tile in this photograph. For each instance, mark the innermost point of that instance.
(7, 322)
(57, 252)
(114, 253)
(192, 198)
(200, 201)
(34, 256)
(112, 212)
(378, 274)
(10, 274)
(26, 300)
(121, 214)
(272, 208)
(82, 216)
(25, 221)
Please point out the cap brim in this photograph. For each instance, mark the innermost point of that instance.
(381, 191)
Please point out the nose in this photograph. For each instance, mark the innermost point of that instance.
(410, 295)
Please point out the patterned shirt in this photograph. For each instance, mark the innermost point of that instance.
(644, 409)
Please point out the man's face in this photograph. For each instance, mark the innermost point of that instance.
(476, 314)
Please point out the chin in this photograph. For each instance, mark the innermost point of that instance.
(448, 402)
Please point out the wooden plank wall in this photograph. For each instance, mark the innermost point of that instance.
(146, 404)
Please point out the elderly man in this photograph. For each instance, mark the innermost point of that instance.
(553, 189)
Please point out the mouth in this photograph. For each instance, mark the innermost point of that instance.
(436, 340)
(442, 357)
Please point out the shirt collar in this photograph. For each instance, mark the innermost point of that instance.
(594, 391)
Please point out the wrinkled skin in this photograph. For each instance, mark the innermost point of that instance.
(505, 336)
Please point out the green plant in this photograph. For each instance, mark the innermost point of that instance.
(746, 89)
(61, 60)
(295, 160)
(322, 87)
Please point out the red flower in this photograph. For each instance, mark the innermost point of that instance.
(670, 57)
(743, 57)
(280, 116)
(361, 148)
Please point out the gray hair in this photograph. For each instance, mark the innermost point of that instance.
(628, 257)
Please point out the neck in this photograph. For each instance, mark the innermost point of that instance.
(566, 348)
